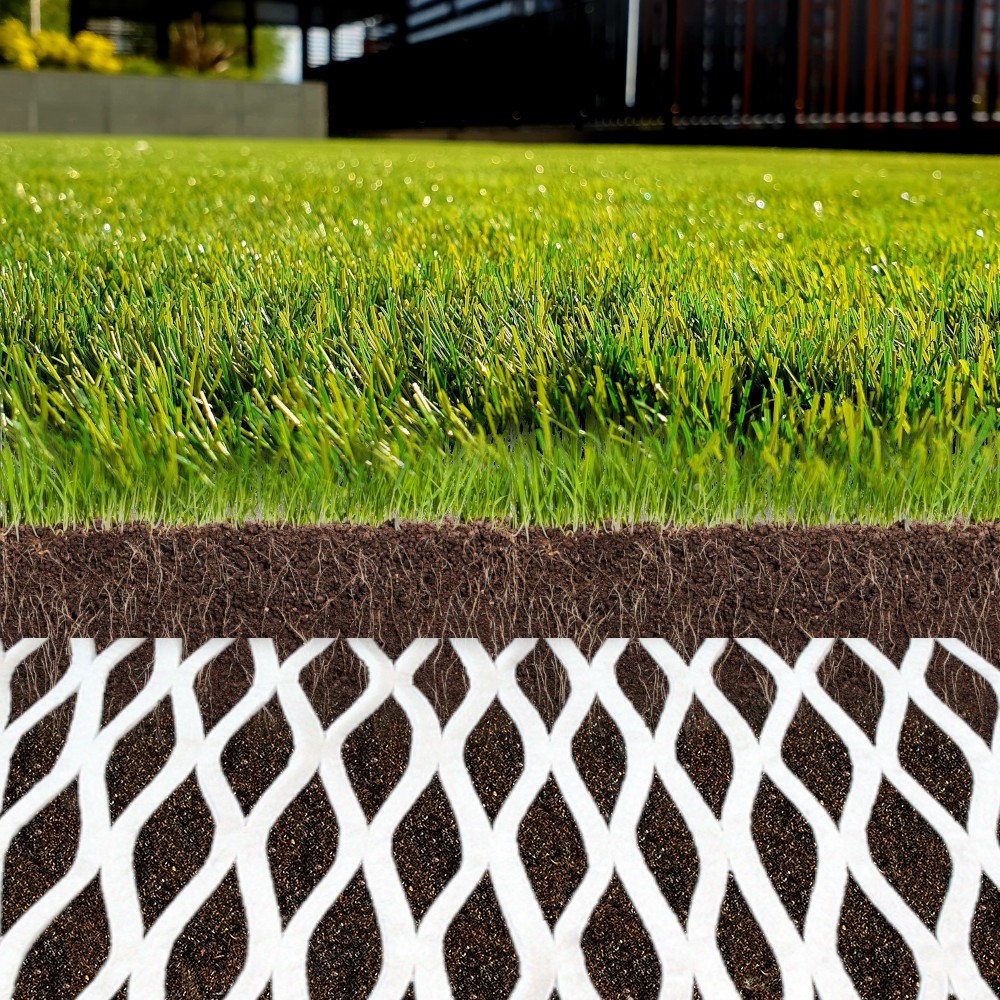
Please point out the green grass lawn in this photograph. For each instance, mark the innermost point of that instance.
(196, 330)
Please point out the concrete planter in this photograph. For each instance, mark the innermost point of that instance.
(90, 103)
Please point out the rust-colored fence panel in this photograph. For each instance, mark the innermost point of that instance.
(850, 62)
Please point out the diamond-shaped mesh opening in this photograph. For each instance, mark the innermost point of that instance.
(599, 753)
(37, 674)
(376, 755)
(302, 846)
(644, 683)
(138, 757)
(494, 758)
(544, 681)
(257, 753)
(427, 848)
(621, 960)
(345, 952)
(816, 755)
(964, 691)
(127, 679)
(40, 854)
(218, 932)
(333, 681)
(171, 848)
(441, 678)
(69, 952)
(669, 849)
(935, 760)
(985, 942)
(223, 681)
(747, 684)
(703, 751)
(854, 686)
(749, 959)
(875, 956)
(787, 848)
(37, 751)
(478, 949)
(909, 853)
(552, 850)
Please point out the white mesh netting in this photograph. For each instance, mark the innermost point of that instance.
(548, 957)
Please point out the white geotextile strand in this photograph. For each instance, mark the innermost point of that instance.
(548, 958)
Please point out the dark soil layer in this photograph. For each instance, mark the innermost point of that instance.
(395, 584)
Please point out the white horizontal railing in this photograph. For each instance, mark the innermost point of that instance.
(548, 959)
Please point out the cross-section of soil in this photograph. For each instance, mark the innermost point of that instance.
(779, 584)
(394, 584)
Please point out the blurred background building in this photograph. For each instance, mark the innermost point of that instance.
(738, 65)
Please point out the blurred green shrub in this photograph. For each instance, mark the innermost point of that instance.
(141, 66)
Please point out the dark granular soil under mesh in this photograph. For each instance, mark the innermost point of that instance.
(782, 585)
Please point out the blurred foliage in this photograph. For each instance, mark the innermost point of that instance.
(97, 53)
(16, 46)
(55, 13)
(192, 48)
(229, 38)
(270, 49)
(52, 50)
(228, 62)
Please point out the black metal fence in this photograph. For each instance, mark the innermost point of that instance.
(853, 66)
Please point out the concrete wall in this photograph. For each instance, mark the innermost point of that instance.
(92, 103)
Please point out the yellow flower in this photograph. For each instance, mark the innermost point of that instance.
(26, 61)
(53, 49)
(50, 48)
(15, 44)
(97, 53)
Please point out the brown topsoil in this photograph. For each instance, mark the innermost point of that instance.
(395, 583)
